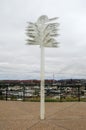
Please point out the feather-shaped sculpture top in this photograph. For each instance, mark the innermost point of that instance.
(43, 32)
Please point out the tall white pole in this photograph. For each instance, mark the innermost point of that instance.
(42, 93)
(43, 31)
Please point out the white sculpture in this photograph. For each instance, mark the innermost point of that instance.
(42, 33)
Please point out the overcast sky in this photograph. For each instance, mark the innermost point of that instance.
(21, 61)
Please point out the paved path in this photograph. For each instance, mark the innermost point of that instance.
(19, 115)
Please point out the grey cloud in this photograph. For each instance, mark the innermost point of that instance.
(20, 61)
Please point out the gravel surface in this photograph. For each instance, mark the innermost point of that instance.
(18, 115)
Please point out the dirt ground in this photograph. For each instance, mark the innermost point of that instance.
(18, 115)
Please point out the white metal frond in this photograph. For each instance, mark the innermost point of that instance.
(43, 32)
